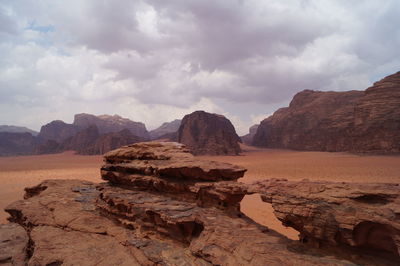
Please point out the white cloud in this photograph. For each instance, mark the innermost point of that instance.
(155, 60)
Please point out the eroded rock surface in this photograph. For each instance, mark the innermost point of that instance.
(361, 215)
(205, 133)
(355, 121)
(13, 244)
(134, 222)
(161, 206)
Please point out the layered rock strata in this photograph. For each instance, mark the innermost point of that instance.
(355, 214)
(163, 221)
(355, 121)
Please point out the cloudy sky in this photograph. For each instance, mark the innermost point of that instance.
(156, 60)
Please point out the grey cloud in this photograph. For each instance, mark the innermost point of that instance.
(239, 52)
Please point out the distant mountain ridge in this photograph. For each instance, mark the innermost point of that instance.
(17, 129)
(166, 129)
(89, 134)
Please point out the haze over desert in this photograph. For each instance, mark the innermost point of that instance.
(16, 173)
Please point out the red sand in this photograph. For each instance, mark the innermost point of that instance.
(16, 173)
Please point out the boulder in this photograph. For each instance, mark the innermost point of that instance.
(212, 134)
(365, 215)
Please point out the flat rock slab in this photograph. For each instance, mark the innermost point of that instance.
(68, 224)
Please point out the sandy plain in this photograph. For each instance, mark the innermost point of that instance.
(16, 173)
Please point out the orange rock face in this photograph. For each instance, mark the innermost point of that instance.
(162, 206)
(205, 133)
(353, 121)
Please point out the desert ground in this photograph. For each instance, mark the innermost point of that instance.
(16, 173)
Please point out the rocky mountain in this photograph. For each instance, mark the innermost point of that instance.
(165, 129)
(83, 141)
(58, 131)
(17, 129)
(248, 138)
(17, 143)
(205, 133)
(360, 121)
(111, 141)
(163, 206)
(377, 117)
(108, 123)
(90, 142)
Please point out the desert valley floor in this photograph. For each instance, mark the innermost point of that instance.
(19, 172)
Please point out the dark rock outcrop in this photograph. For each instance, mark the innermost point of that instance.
(165, 130)
(58, 131)
(108, 124)
(353, 121)
(160, 207)
(363, 215)
(17, 129)
(248, 138)
(17, 144)
(205, 133)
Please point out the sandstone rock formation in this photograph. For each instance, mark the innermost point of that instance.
(16, 143)
(205, 133)
(165, 129)
(13, 244)
(377, 117)
(361, 215)
(338, 121)
(17, 129)
(248, 138)
(108, 123)
(314, 120)
(58, 131)
(160, 207)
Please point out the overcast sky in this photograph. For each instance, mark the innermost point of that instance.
(157, 60)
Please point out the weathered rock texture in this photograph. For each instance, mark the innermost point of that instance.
(248, 138)
(354, 121)
(160, 207)
(205, 133)
(13, 244)
(377, 117)
(354, 214)
(108, 123)
(314, 120)
(166, 129)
